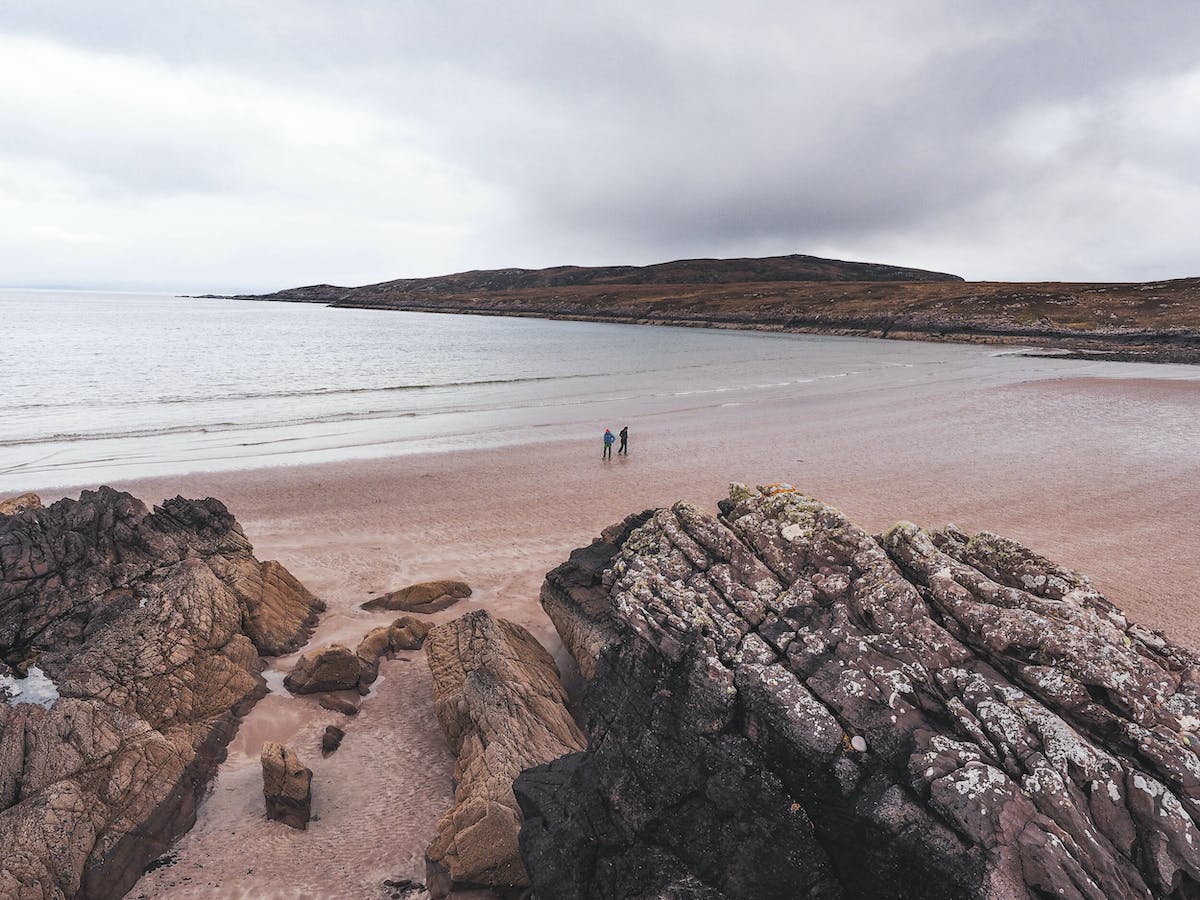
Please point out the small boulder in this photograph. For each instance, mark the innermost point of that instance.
(409, 633)
(376, 644)
(426, 597)
(338, 704)
(287, 786)
(332, 668)
(331, 739)
(14, 505)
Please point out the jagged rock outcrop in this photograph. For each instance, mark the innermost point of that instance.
(331, 668)
(785, 705)
(499, 701)
(426, 597)
(149, 624)
(287, 786)
(13, 505)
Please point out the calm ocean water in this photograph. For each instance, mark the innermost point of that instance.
(106, 386)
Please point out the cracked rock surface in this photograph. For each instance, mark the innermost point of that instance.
(287, 785)
(781, 704)
(499, 701)
(150, 626)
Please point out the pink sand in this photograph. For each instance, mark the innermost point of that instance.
(1100, 475)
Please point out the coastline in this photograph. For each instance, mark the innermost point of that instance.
(1086, 490)
(1141, 322)
(1153, 347)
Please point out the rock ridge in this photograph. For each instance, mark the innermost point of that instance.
(150, 626)
(498, 699)
(781, 704)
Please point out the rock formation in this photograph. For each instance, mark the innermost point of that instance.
(149, 625)
(287, 786)
(781, 704)
(500, 704)
(426, 597)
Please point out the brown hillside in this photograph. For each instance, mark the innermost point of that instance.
(1154, 320)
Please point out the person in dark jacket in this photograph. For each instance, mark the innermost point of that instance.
(624, 448)
(608, 442)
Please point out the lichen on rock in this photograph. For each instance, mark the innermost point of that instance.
(780, 704)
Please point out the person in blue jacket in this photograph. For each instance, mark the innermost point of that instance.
(609, 437)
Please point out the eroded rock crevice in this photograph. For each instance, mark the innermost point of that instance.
(498, 699)
(781, 704)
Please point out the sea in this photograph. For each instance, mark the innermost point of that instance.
(100, 387)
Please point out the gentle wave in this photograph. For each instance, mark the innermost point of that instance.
(211, 427)
(316, 392)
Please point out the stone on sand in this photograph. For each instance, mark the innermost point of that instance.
(329, 668)
(335, 703)
(409, 633)
(287, 785)
(331, 739)
(426, 597)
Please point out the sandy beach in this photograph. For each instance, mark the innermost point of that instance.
(1098, 474)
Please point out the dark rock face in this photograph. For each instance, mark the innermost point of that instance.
(499, 701)
(149, 627)
(287, 786)
(426, 597)
(787, 706)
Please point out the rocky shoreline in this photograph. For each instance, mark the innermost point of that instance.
(776, 702)
(1171, 346)
(927, 714)
(1141, 322)
(149, 626)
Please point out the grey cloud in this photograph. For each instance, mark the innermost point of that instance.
(634, 132)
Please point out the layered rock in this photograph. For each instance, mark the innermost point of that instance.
(149, 624)
(426, 597)
(287, 785)
(784, 705)
(499, 701)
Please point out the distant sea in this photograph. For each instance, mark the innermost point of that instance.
(99, 386)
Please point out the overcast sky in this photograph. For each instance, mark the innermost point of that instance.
(261, 144)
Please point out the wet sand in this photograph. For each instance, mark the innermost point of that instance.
(1101, 475)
